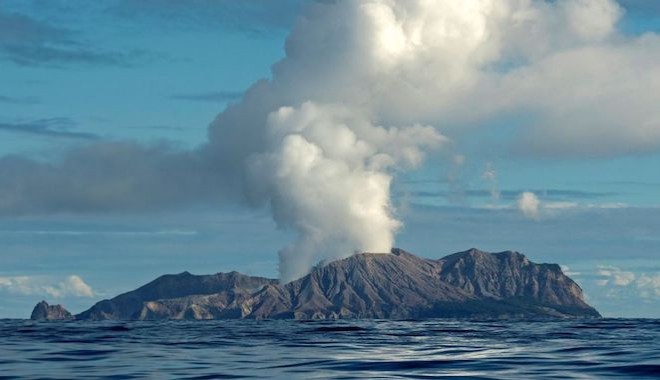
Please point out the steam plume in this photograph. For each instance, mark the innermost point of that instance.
(326, 173)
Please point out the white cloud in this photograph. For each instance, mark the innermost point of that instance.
(18, 284)
(490, 177)
(592, 19)
(649, 281)
(605, 205)
(529, 204)
(567, 271)
(532, 207)
(589, 89)
(602, 282)
(624, 278)
(615, 276)
(560, 205)
(648, 284)
(71, 286)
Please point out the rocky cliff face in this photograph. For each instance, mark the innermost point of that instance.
(398, 285)
(45, 312)
(508, 275)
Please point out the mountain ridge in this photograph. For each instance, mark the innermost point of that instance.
(399, 285)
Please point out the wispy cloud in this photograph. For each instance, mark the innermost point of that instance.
(250, 17)
(71, 286)
(26, 41)
(615, 276)
(490, 177)
(569, 272)
(53, 127)
(647, 284)
(179, 232)
(532, 206)
(629, 183)
(166, 128)
(512, 194)
(211, 96)
(18, 100)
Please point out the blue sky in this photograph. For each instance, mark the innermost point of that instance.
(78, 73)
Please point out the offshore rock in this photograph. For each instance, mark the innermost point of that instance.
(45, 312)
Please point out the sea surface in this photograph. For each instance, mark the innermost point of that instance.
(521, 349)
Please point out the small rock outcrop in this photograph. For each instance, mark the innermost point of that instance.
(45, 312)
(395, 285)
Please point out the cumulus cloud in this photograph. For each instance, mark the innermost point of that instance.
(564, 64)
(529, 204)
(365, 90)
(648, 284)
(615, 276)
(71, 286)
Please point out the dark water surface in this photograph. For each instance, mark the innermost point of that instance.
(608, 348)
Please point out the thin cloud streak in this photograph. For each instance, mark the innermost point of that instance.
(19, 100)
(26, 41)
(253, 18)
(512, 194)
(212, 96)
(101, 233)
(53, 127)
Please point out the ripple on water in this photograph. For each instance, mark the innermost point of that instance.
(615, 348)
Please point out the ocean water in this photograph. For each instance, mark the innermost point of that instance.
(598, 349)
